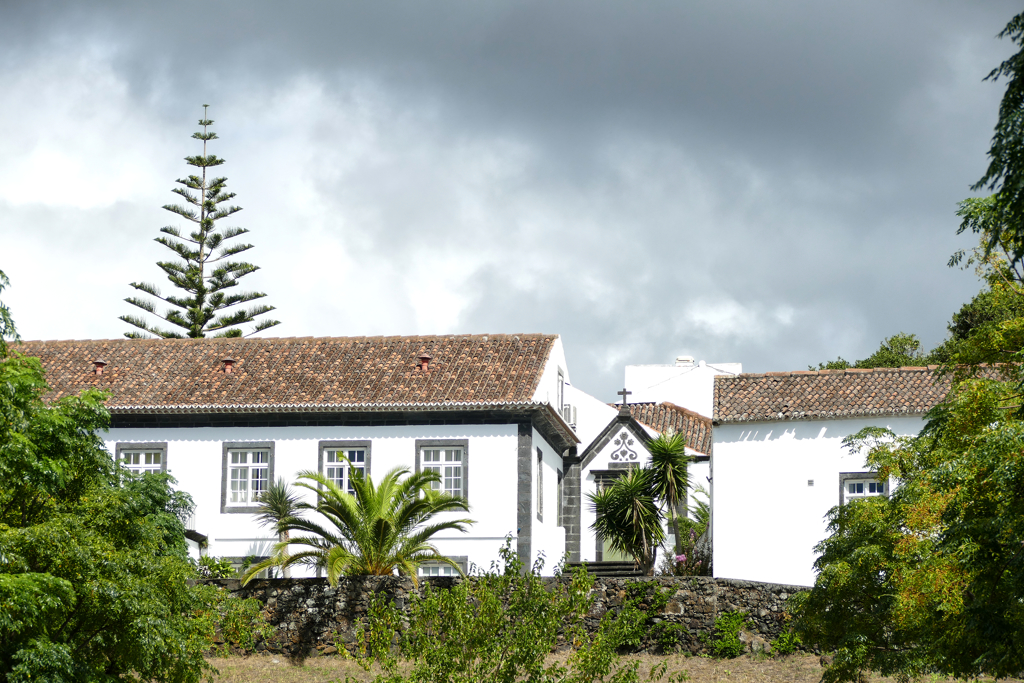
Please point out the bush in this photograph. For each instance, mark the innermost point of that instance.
(725, 641)
(500, 628)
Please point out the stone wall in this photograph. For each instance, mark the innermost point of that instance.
(311, 618)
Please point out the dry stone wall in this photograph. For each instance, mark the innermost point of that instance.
(311, 618)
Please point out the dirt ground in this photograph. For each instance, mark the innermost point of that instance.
(798, 668)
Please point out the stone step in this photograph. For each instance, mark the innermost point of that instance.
(615, 569)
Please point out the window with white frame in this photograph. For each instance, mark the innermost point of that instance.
(441, 569)
(450, 460)
(856, 485)
(142, 458)
(248, 469)
(340, 460)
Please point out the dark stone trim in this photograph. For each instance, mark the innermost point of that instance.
(622, 421)
(142, 446)
(253, 445)
(524, 495)
(543, 418)
(441, 443)
(571, 512)
(347, 445)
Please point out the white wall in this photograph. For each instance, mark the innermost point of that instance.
(548, 537)
(691, 386)
(547, 386)
(766, 519)
(194, 458)
(592, 415)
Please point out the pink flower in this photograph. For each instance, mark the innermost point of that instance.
(681, 559)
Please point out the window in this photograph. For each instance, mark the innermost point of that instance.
(540, 485)
(560, 391)
(142, 458)
(333, 465)
(854, 485)
(438, 569)
(247, 470)
(449, 458)
(558, 499)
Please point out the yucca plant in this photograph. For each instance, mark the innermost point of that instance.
(670, 480)
(378, 530)
(629, 517)
(277, 504)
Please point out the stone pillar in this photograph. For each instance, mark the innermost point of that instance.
(524, 495)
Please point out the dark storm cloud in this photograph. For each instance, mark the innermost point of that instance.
(773, 183)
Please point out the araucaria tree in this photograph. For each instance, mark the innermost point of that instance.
(206, 274)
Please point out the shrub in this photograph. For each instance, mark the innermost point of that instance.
(725, 642)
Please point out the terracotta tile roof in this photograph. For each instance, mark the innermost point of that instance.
(344, 372)
(660, 416)
(817, 394)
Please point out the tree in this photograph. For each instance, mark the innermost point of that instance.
(277, 504)
(205, 272)
(899, 350)
(670, 479)
(377, 530)
(1005, 172)
(930, 579)
(7, 329)
(93, 561)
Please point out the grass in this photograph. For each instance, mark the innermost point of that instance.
(796, 668)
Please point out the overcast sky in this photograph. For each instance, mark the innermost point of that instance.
(772, 183)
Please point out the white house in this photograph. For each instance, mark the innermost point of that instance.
(778, 464)
(227, 416)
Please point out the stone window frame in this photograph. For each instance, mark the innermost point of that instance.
(360, 444)
(121, 447)
(559, 514)
(461, 560)
(226, 448)
(865, 477)
(447, 443)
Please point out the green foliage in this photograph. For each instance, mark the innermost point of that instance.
(1005, 172)
(214, 568)
(205, 273)
(378, 530)
(899, 350)
(692, 554)
(93, 561)
(787, 643)
(930, 578)
(7, 329)
(628, 516)
(630, 512)
(278, 503)
(725, 640)
(499, 627)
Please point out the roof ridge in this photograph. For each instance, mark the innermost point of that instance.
(241, 340)
(827, 373)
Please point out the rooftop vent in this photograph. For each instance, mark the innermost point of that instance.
(425, 362)
(684, 361)
(98, 365)
(229, 364)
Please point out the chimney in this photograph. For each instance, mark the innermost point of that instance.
(98, 365)
(425, 362)
(228, 364)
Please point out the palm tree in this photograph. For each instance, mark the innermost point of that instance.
(278, 503)
(629, 517)
(670, 480)
(377, 530)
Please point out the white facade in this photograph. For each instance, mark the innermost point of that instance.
(773, 483)
(685, 383)
(195, 457)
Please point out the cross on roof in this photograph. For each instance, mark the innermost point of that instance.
(624, 393)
